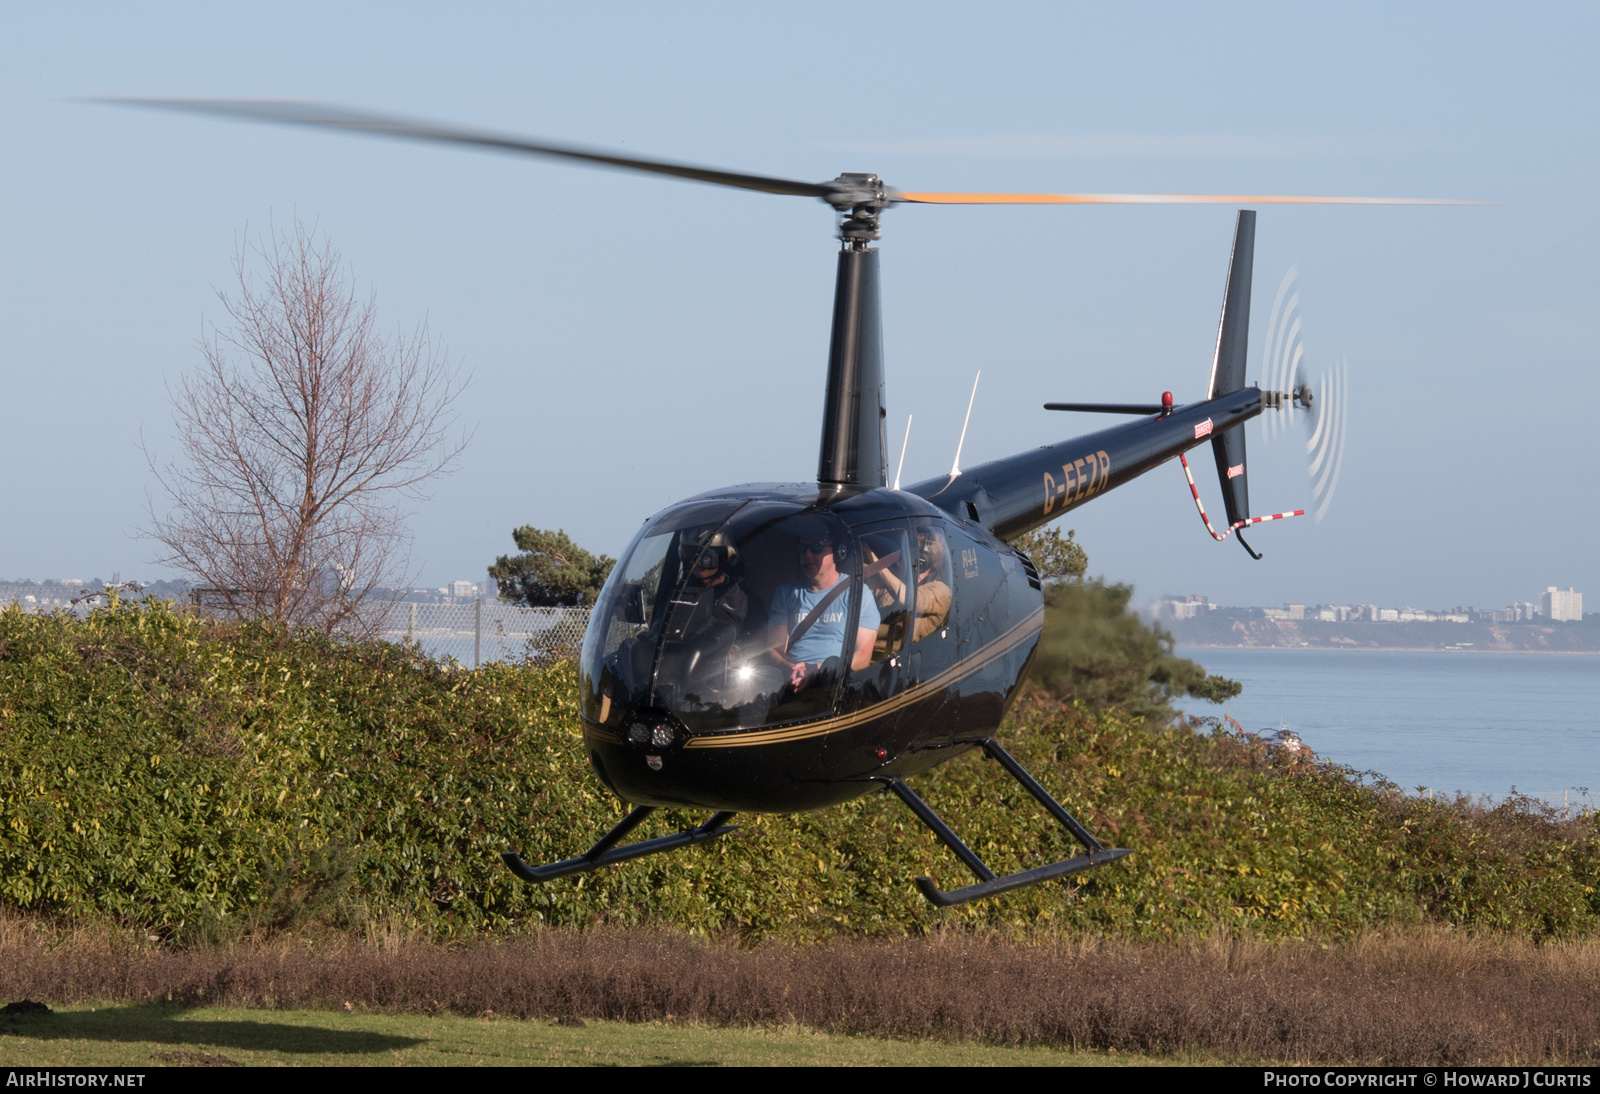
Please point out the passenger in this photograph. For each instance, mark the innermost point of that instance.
(890, 597)
(933, 593)
(807, 621)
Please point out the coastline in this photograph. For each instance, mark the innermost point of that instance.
(1245, 628)
(1481, 725)
(1307, 648)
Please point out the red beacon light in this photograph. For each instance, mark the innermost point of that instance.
(1166, 402)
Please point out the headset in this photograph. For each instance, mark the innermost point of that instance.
(709, 550)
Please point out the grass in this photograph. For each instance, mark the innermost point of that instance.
(156, 1035)
(1426, 996)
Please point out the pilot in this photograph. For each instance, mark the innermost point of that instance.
(711, 612)
(808, 617)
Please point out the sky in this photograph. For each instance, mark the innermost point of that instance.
(633, 340)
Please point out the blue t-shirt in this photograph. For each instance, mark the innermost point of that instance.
(824, 638)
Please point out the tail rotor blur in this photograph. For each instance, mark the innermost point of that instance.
(1282, 352)
(1325, 445)
(1322, 403)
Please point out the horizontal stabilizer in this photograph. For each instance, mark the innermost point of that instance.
(1109, 408)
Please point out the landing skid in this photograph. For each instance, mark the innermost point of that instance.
(988, 884)
(606, 852)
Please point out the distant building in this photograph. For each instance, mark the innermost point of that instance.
(464, 589)
(1173, 607)
(1519, 612)
(1561, 606)
(1555, 605)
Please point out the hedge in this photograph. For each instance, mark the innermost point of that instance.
(197, 778)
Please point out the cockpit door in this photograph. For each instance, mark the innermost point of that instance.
(887, 569)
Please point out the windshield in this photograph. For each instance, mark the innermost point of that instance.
(729, 619)
(618, 660)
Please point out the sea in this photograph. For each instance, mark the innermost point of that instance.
(1485, 724)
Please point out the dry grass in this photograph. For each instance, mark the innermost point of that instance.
(1418, 998)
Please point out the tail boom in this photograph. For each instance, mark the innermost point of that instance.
(1016, 494)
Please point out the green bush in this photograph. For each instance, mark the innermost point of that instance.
(1095, 651)
(203, 779)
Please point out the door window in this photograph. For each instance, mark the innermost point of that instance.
(933, 582)
(886, 572)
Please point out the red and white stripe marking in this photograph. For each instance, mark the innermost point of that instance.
(1194, 491)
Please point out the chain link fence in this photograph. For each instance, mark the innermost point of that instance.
(36, 598)
(44, 599)
(483, 631)
(472, 634)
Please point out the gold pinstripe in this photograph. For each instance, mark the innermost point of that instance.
(593, 733)
(964, 668)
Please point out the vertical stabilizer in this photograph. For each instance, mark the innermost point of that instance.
(1228, 366)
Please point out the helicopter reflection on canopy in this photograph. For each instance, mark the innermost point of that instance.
(727, 616)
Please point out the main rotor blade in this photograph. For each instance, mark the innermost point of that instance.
(328, 116)
(1160, 199)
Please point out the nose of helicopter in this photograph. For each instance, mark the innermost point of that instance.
(644, 760)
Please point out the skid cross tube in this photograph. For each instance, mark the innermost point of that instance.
(942, 830)
(988, 884)
(1041, 795)
(605, 852)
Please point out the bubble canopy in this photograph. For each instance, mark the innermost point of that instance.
(724, 615)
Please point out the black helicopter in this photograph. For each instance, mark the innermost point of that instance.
(781, 647)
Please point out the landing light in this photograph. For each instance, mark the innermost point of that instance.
(745, 672)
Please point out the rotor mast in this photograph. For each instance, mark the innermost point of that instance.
(854, 448)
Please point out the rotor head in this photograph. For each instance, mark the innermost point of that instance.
(858, 199)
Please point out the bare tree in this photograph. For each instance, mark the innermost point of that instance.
(303, 437)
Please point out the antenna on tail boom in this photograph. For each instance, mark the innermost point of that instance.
(901, 466)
